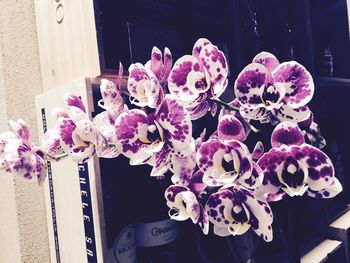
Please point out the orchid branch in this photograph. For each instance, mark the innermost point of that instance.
(225, 105)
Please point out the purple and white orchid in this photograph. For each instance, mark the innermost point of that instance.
(196, 79)
(19, 156)
(224, 159)
(76, 134)
(293, 167)
(155, 137)
(234, 209)
(270, 91)
(113, 103)
(184, 203)
(216, 180)
(148, 83)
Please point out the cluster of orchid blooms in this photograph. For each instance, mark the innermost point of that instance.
(215, 178)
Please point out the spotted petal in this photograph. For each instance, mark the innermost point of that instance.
(248, 84)
(266, 59)
(230, 128)
(287, 133)
(74, 101)
(236, 209)
(183, 164)
(186, 80)
(23, 162)
(20, 128)
(260, 113)
(215, 63)
(176, 123)
(319, 167)
(258, 150)
(112, 100)
(287, 113)
(198, 46)
(51, 142)
(329, 192)
(271, 164)
(260, 217)
(297, 81)
(131, 131)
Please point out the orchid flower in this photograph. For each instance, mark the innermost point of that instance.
(76, 134)
(293, 167)
(19, 156)
(114, 105)
(236, 104)
(184, 203)
(147, 83)
(270, 92)
(234, 209)
(155, 137)
(196, 79)
(224, 159)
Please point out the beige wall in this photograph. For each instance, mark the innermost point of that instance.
(23, 229)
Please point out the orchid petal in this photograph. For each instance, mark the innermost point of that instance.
(23, 162)
(266, 59)
(260, 217)
(162, 161)
(186, 80)
(331, 191)
(156, 62)
(198, 46)
(20, 128)
(248, 84)
(271, 164)
(297, 81)
(51, 142)
(175, 121)
(215, 63)
(260, 113)
(131, 131)
(319, 166)
(287, 113)
(230, 127)
(183, 165)
(258, 150)
(287, 133)
(168, 63)
(74, 101)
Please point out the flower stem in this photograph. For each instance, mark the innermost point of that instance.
(225, 105)
(233, 108)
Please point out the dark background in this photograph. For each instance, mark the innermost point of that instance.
(301, 30)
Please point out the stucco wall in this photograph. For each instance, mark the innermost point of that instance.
(23, 229)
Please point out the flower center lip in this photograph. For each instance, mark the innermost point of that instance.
(294, 179)
(272, 95)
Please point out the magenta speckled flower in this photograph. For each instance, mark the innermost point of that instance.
(269, 91)
(184, 204)
(114, 105)
(148, 83)
(19, 156)
(293, 167)
(197, 78)
(224, 159)
(156, 137)
(76, 134)
(234, 210)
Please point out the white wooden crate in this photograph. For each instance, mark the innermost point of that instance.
(72, 192)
